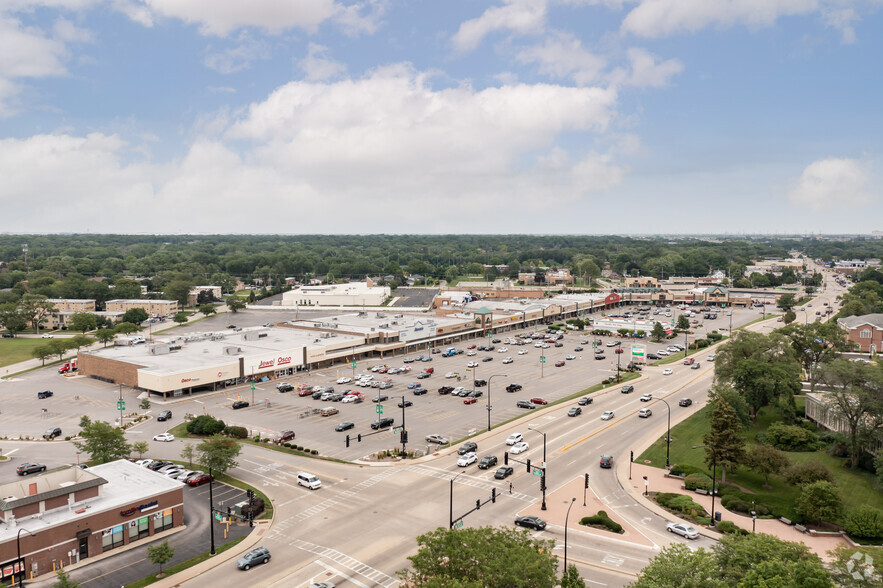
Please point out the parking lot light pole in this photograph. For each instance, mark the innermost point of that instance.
(21, 571)
(489, 398)
(543, 507)
(668, 433)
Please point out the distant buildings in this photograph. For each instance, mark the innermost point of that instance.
(864, 332)
(350, 294)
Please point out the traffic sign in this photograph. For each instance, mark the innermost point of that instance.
(458, 524)
(594, 344)
(538, 472)
(121, 405)
(397, 430)
(379, 409)
(353, 364)
(542, 359)
(218, 516)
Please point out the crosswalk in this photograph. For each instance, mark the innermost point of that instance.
(375, 576)
(441, 474)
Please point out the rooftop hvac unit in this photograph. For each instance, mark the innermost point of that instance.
(174, 348)
(325, 335)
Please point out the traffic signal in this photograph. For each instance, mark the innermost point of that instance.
(493, 494)
(347, 440)
(229, 512)
(250, 494)
(404, 436)
(528, 466)
(477, 503)
(543, 482)
(631, 456)
(506, 458)
(587, 480)
(360, 437)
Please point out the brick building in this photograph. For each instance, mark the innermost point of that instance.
(152, 307)
(66, 515)
(864, 332)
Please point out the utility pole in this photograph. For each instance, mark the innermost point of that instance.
(121, 405)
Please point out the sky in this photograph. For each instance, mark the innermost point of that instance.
(441, 116)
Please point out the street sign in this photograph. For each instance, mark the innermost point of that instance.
(489, 335)
(397, 429)
(252, 385)
(353, 364)
(458, 524)
(379, 409)
(594, 344)
(542, 359)
(121, 405)
(218, 516)
(538, 472)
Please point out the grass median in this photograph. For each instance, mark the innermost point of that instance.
(180, 567)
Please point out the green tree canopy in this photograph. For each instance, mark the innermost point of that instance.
(136, 316)
(160, 554)
(126, 328)
(683, 323)
(103, 442)
(218, 453)
(819, 501)
(724, 442)
(658, 333)
(766, 460)
(178, 290)
(207, 309)
(485, 557)
(83, 321)
(235, 303)
(105, 335)
(786, 302)
(677, 566)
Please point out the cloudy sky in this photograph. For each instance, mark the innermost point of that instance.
(441, 116)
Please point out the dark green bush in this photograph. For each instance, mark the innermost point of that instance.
(236, 432)
(603, 520)
(694, 481)
(715, 336)
(864, 522)
(315, 452)
(686, 469)
(791, 438)
(730, 528)
(676, 470)
(680, 503)
(808, 472)
(702, 343)
(205, 425)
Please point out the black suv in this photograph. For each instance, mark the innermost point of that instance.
(30, 468)
(481, 382)
(158, 464)
(468, 447)
(513, 387)
(487, 461)
(382, 423)
(240, 404)
(164, 415)
(628, 389)
(284, 387)
(685, 402)
(44, 394)
(52, 433)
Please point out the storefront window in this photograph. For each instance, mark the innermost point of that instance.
(112, 538)
(162, 521)
(139, 529)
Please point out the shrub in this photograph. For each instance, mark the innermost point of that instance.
(205, 425)
(730, 528)
(676, 470)
(256, 438)
(603, 520)
(715, 336)
(819, 501)
(701, 343)
(791, 438)
(802, 474)
(236, 432)
(314, 452)
(694, 481)
(865, 522)
(680, 503)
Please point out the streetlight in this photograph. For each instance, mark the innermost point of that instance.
(451, 510)
(713, 474)
(753, 516)
(489, 398)
(21, 571)
(572, 500)
(543, 507)
(668, 434)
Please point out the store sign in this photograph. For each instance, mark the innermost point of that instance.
(130, 511)
(612, 298)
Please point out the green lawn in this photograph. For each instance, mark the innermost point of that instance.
(18, 349)
(856, 487)
(183, 565)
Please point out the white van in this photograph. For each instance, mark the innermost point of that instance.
(309, 480)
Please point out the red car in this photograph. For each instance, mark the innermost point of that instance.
(306, 392)
(429, 370)
(538, 401)
(199, 480)
(559, 364)
(473, 346)
(470, 400)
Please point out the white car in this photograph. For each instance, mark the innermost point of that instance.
(672, 349)
(569, 357)
(164, 437)
(710, 357)
(404, 368)
(376, 368)
(538, 344)
(608, 414)
(502, 350)
(344, 380)
(683, 530)
(508, 360)
(520, 447)
(184, 475)
(467, 459)
(46, 336)
(471, 352)
(472, 364)
(144, 462)
(522, 352)
(451, 375)
(514, 438)
(349, 398)
(545, 345)
(667, 372)
(645, 413)
(662, 352)
(174, 472)
(646, 397)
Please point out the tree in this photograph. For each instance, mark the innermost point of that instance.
(59, 347)
(178, 290)
(786, 302)
(62, 580)
(82, 321)
(751, 560)
(571, 578)
(481, 558)
(736, 401)
(105, 335)
(136, 316)
(235, 303)
(207, 309)
(187, 453)
(12, 318)
(127, 289)
(126, 328)
(761, 383)
(819, 501)
(35, 308)
(140, 447)
(724, 440)
(42, 352)
(103, 442)
(180, 317)
(855, 392)
(766, 460)
(658, 333)
(815, 344)
(78, 341)
(857, 567)
(218, 453)
(683, 323)
(789, 317)
(677, 566)
(160, 554)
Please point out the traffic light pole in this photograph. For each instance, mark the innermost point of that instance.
(211, 512)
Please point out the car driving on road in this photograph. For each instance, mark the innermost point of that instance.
(535, 523)
(682, 530)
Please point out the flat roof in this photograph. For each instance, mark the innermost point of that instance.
(125, 483)
(374, 321)
(148, 300)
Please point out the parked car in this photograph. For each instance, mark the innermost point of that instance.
(470, 400)
(30, 468)
(509, 359)
(405, 403)
(344, 426)
(199, 479)
(440, 439)
(682, 530)
(52, 433)
(559, 363)
(380, 398)
(487, 358)
(239, 404)
(284, 387)
(285, 436)
(44, 394)
(530, 522)
(513, 387)
(164, 415)
(258, 555)
(525, 404)
(539, 401)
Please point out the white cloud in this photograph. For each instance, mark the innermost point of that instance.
(221, 17)
(238, 57)
(562, 56)
(841, 19)
(361, 17)
(833, 183)
(317, 66)
(645, 70)
(67, 31)
(518, 16)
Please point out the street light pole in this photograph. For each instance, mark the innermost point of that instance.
(668, 433)
(21, 571)
(451, 509)
(713, 475)
(572, 500)
(211, 510)
(543, 507)
(489, 380)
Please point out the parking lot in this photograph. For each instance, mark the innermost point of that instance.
(272, 412)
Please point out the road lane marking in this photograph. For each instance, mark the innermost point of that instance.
(348, 562)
